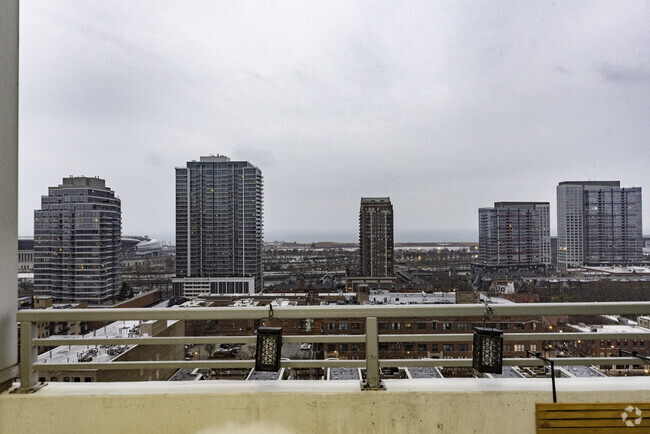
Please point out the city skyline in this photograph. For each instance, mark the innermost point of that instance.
(443, 107)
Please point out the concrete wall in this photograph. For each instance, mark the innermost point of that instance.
(436, 406)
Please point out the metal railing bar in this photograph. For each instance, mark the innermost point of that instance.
(329, 363)
(467, 363)
(414, 311)
(53, 341)
(442, 337)
(180, 364)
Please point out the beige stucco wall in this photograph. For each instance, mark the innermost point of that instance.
(439, 406)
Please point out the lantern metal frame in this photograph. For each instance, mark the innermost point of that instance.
(268, 348)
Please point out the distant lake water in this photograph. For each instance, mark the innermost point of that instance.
(352, 236)
(401, 236)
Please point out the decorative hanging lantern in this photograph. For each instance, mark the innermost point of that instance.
(487, 352)
(269, 344)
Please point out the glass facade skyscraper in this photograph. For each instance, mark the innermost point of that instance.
(77, 242)
(219, 223)
(599, 223)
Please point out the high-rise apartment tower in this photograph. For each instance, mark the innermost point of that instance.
(77, 242)
(515, 234)
(376, 237)
(218, 227)
(598, 223)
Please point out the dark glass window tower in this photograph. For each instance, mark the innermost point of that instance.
(219, 230)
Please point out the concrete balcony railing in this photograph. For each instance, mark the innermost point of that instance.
(412, 405)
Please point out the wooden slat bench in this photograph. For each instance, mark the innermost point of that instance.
(593, 418)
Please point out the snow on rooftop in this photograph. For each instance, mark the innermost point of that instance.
(384, 296)
(617, 328)
(93, 353)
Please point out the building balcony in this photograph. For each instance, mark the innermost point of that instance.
(369, 403)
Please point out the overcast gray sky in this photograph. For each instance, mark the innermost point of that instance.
(443, 106)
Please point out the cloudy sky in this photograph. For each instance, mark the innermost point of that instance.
(443, 106)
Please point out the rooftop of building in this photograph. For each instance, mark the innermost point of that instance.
(94, 353)
(580, 371)
(423, 372)
(604, 183)
(384, 296)
(83, 181)
(375, 200)
(518, 204)
(214, 158)
(620, 269)
(343, 374)
(616, 328)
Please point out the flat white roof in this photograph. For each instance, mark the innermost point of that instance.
(72, 353)
(617, 328)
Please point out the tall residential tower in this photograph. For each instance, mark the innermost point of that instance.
(515, 234)
(77, 242)
(218, 227)
(598, 223)
(376, 237)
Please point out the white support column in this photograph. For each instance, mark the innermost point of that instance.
(8, 188)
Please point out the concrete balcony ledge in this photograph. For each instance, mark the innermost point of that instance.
(438, 405)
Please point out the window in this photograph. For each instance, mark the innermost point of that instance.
(343, 326)
(448, 347)
(355, 326)
(408, 346)
(395, 326)
(463, 347)
(504, 326)
(533, 347)
(506, 347)
(383, 346)
(434, 325)
(422, 326)
(422, 347)
(520, 326)
(408, 325)
(434, 347)
(354, 347)
(88, 379)
(330, 347)
(383, 326)
(461, 326)
(343, 347)
(519, 347)
(447, 326)
(330, 326)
